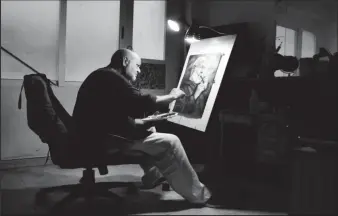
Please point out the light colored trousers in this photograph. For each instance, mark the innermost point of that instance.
(170, 160)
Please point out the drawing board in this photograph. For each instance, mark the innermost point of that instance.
(201, 78)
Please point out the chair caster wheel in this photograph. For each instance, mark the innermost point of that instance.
(166, 187)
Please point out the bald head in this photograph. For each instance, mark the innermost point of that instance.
(116, 61)
(129, 54)
(126, 62)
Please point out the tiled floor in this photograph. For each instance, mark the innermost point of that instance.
(19, 187)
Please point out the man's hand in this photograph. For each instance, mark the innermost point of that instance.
(141, 123)
(146, 124)
(177, 93)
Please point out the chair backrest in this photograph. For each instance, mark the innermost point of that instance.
(53, 124)
(46, 116)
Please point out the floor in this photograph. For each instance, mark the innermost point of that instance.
(20, 186)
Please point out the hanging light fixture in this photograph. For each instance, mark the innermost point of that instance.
(194, 32)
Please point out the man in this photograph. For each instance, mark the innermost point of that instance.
(107, 103)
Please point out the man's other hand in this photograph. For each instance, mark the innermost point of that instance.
(177, 93)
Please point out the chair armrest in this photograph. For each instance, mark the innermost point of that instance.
(122, 143)
(121, 138)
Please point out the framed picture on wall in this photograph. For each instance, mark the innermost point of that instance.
(152, 76)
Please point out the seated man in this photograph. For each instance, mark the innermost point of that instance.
(107, 103)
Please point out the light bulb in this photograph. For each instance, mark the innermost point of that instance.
(191, 39)
(173, 25)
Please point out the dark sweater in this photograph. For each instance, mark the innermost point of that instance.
(108, 104)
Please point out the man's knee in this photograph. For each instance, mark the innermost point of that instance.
(173, 141)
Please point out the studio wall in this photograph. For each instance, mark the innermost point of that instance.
(318, 17)
(260, 14)
(18, 141)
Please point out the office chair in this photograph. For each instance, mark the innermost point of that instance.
(52, 123)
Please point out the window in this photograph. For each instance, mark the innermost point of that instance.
(287, 39)
(30, 30)
(298, 43)
(149, 29)
(308, 44)
(92, 36)
(67, 40)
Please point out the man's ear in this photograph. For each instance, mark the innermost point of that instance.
(125, 61)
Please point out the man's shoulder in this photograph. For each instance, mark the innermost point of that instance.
(106, 74)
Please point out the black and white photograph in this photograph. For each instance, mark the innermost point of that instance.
(169, 107)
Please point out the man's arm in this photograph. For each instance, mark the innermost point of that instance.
(164, 99)
(139, 123)
(143, 103)
(173, 95)
(138, 128)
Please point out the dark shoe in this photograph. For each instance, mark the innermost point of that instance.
(166, 186)
(211, 203)
(214, 203)
(155, 184)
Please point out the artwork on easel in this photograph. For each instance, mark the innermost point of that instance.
(197, 81)
(201, 77)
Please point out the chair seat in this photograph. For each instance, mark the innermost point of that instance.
(113, 157)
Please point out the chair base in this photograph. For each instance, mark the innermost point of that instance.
(87, 189)
(88, 195)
